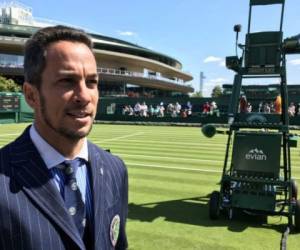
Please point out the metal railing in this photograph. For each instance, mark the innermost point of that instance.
(13, 38)
(126, 73)
(111, 71)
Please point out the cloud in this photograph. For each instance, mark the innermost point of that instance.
(222, 63)
(212, 59)
(294, 62)
(126, 33)
(219, 80)
(211, 83)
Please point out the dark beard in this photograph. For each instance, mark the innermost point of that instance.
(65, 132)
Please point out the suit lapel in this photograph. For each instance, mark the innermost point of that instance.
(97, 172)
(33, 176)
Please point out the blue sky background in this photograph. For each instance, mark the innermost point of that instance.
(198, 33)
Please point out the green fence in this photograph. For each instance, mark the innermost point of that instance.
(26, 112)
(13, 109)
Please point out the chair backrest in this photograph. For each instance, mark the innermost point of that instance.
(266, 2)
(263, 49)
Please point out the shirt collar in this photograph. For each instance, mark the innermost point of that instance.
(50, 155)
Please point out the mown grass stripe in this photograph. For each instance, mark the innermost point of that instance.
(174, 179)
(175, 143)
(170, 158)
(203, 150)
(168, 152)
(6, 135)
(171, 189)
(122, 137)
(177, 168)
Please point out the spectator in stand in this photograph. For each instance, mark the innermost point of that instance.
(144, 110)
(272, 107)
(170, 109)
(151, 110)
(249, 107)
(125, 110)
(156, 110)
(267, 108)
(298, 109)
(137, 109)
(161, 112)
(291, 109)
(183, 113)
(177, 108)
(260, 107)
(243, 104)
(206, 108)
(130, 110)
(213, 107)
(173, 111)
(277, 104)
(189, 108)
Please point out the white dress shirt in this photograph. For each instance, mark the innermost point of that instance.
(53, 158)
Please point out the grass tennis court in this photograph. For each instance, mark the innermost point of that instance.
(172, 170)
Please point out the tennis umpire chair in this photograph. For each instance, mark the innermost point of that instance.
(256, 174)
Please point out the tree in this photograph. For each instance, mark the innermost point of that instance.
(197, 94)
(217, 91)
(8, 85)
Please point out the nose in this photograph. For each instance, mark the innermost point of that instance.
(82, 94)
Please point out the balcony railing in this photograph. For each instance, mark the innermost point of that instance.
(109, 71)
(13, 38)
(126, 73)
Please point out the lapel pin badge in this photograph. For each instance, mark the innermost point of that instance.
(114, 229)
(101, 171)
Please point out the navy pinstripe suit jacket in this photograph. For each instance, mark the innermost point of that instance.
(32, 212)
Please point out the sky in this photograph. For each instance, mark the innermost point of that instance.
(197, 33)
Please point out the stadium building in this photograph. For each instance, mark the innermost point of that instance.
(125, 69)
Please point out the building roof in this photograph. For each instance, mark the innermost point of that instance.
(18, 25)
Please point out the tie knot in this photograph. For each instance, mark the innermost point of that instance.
(71, 166)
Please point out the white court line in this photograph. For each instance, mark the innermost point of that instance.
(178, 168)
(178, 143)
(8, 135)
(172, 158)
(189, 169)
(122, 137)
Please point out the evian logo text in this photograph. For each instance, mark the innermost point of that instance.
(256, 154)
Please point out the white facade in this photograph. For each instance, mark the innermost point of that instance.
(15, 13)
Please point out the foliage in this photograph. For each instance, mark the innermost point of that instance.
(197, 94)
(8, 85)
(217, 91)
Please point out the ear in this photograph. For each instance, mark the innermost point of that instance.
(31, 95)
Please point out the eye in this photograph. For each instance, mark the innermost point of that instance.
(66, 82)
(91, 83)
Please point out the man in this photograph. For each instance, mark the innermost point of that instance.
(277, 104)
(57, 190)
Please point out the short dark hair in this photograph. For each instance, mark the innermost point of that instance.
(36, 46)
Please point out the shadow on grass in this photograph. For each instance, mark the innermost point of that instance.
(194, 211)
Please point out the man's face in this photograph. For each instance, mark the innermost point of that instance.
(68, 96)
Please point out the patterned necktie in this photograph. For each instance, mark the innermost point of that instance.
(72, 195)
